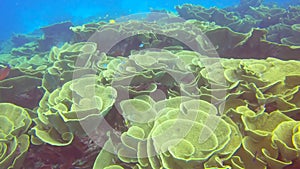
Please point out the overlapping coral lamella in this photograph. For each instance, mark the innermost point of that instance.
(196, 88)
(242, 132)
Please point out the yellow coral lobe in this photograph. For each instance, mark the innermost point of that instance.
(112, 21)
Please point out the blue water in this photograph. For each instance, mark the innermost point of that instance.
(21, 16)
(24, 16)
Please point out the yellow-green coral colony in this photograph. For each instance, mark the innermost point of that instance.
(233, 137)
(14, 140)
(243, 136)
(189, 104)
(188, 127)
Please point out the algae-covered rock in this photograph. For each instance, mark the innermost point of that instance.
(21, 90)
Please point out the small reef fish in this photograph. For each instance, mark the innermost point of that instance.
(4, 72)
(141, 45)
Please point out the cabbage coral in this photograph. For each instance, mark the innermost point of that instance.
(14, 142)
(61, 112)
(180, 132)
(165, 132)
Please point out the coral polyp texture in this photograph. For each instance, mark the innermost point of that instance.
(219, 90)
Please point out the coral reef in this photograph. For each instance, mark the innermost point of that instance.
(15, 122)
(253, 113)
(217, 90)
(167, 36)
(60, 116)
(248, 15)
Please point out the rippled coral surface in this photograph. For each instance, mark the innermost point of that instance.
(170, 94)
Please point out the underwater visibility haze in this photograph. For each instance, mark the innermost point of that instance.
(183, 84)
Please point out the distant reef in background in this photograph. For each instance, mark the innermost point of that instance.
(277, 26)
